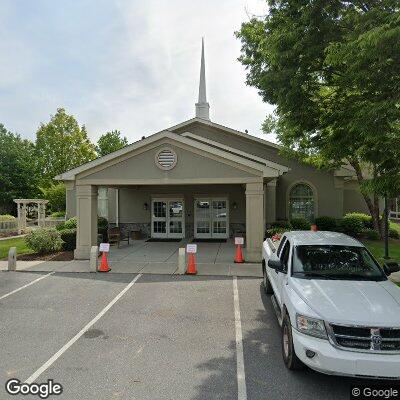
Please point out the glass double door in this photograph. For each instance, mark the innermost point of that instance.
(211, 219)
(167, 218)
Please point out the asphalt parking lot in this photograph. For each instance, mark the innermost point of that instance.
(129, 336)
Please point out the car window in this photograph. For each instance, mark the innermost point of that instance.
(283, 240)
(285, 255)
(335, 262)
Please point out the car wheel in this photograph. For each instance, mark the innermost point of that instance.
(266, 283)
(290, 359)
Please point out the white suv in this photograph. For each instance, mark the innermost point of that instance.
(338, 311)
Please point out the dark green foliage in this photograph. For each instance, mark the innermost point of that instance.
(110, 142)
(351, 226)
(325, 223)
(102, 228)
(61, 145)
(370, 234)
(68, 236)
(19, 175)
(68, 224)
(365, 219)
(332, 71)
(56, 194)
(282, 224)
(394, 234)
(273, 231)
(300, 224)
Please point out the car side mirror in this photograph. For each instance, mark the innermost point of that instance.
(391, 267)
(277, 265)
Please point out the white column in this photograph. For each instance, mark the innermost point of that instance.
(23, 216)
(86, 209)
(19, 218)
(254, 220)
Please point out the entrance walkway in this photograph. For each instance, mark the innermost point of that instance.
(156, 258)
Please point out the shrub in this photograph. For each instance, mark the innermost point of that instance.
(326, 223)
(394, 234)
(300, 224)
(351, 225)
(68, 224)
(58, 214)
(370, 234)
(282, 224)
(56, 194)
(68, 236)
(273, 231)
(6, 217)
(102, 228)
(44, 240)
(365, 219)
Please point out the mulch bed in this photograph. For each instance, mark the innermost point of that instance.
(8, 234)
(60, 256)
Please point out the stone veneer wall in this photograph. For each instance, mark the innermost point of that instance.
(145, 229)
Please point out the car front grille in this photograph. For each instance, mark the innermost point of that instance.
(363, 338)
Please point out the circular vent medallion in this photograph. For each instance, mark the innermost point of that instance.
(166, 159)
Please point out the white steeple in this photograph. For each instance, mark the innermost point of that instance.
(202, 107)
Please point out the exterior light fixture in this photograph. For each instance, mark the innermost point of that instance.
(145, 206)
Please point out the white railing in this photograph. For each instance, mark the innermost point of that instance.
(53, 222)
(8, 226)
(394, 215)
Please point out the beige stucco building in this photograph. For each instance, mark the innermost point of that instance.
(199, 179)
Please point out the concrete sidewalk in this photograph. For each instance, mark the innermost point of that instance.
(121, 267)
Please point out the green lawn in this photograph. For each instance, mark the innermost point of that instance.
(376, 247)
(19, 243)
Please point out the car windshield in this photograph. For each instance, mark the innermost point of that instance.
(335, 262)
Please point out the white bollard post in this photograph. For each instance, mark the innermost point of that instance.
(182, 261)
(12, 259)
(94, 254)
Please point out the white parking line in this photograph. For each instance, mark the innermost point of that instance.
(63, 349)
(25, 286)
(241, 377)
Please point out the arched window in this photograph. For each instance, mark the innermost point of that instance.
(301, 202)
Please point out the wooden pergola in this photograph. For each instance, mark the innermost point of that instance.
(21, 208)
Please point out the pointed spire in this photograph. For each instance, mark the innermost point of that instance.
(202, 107)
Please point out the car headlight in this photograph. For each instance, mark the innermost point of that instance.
(311, 326)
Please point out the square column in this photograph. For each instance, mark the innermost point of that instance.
(86, 210)
(254, 221)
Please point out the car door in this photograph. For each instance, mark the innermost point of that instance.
(272, 274)
(281, 277)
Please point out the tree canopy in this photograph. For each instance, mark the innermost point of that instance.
(19, 176)
(110, 142)
(61, 145)
(332, 69)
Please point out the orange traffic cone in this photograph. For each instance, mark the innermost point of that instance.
(239, 256)
(191, 268)
(104, 267)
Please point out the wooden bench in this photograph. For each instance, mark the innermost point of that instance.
(115, 236)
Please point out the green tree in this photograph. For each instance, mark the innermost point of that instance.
(18, 169)
(332, 69)
(56, 194)
(61, 145)
(110, 142)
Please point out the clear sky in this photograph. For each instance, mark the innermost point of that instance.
(124, 64)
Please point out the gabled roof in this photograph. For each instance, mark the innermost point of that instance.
(226, 129)
(241, 158)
